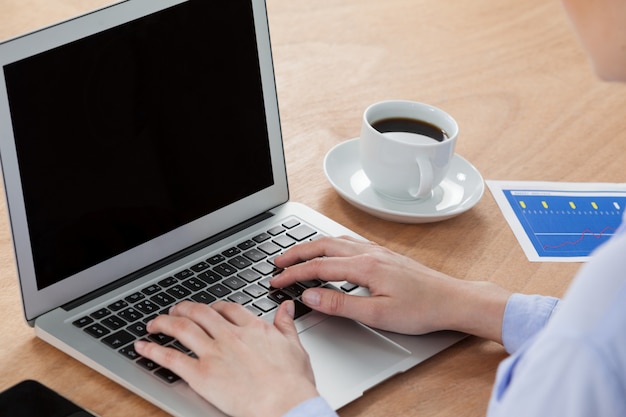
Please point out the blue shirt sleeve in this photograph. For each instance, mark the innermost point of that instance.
(315, 407)
(524, 316)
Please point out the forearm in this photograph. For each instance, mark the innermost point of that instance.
(477, 308)
(486, 310)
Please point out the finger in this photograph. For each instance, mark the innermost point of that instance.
(170, 358)
(366, 310)
(188, 332)
(207, 318)
(283, 320)
(233, 312)
(326, 246)
(353, 269)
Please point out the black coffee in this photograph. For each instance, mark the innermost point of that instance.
(401, 124)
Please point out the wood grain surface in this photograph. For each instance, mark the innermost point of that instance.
(529, 108)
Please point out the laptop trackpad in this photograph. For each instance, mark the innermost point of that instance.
(348, 358)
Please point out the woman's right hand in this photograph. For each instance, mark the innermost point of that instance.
(405, 296)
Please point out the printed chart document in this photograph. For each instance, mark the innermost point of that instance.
(560, 221)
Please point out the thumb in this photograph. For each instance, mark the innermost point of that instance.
(283, 320)
(328, 301)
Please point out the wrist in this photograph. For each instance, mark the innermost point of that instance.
(479, 309)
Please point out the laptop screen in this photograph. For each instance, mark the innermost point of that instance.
(134, 131)
(137, 130)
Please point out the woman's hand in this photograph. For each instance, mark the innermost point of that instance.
(245, 366)
(406, 296)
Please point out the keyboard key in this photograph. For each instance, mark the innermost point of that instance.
(234, 283)
(265, 305)
(114, 322)
(301, 232)
(194, 284)
(264, 268)
(203, 297)
(178, 291)
(240, 298)
(219, 290)
(138, 329)
(152, 289)
(279, 296)
(118, 305)
(348, 286)
(147, 307)
(167, 375)
(295, 290)
(248, 244)
(200, 266)
(311, 283)
(265, 283)
(149, 318)
(240, 262)
(270, 248)
(271, 259)
(83, 321)
(163, 299)
(249, 275)
(262, 237)
(229, 253)
(103, 312)
(284, 241)
(214, 260)
(255, 255)
(185, 273)
(148, 364)
(291, 223)
(210, 277)
(130, 315)
(255, 290)
(301, 309)
(97, 330)
(168, 282)
(275, 231)
(130, 352)
(118, 339)
(225, 270)
(133, 298)
(161, 339)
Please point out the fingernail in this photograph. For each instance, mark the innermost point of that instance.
(273, 278)
(139, 345)
(291, 309)
(277, 258)
(311, 298)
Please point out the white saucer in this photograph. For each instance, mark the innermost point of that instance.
(460, 190)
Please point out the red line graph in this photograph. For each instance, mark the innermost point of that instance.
(586, 232)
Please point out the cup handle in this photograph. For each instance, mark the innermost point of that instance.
(426, 178)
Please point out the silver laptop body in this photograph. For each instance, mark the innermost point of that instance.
(142, 155)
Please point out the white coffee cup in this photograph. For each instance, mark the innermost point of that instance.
(405, 165)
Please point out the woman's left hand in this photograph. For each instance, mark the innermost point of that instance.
(245, 366)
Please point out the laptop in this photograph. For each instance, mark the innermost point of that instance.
(143, 164)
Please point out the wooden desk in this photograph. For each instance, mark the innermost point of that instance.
(528, 106)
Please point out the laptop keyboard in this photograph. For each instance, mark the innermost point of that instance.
(239, 274)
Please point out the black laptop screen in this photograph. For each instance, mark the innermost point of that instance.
(135, 131)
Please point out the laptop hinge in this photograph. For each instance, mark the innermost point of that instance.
(166, 261)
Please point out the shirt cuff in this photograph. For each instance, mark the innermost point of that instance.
(524, 316)
(315, 407)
